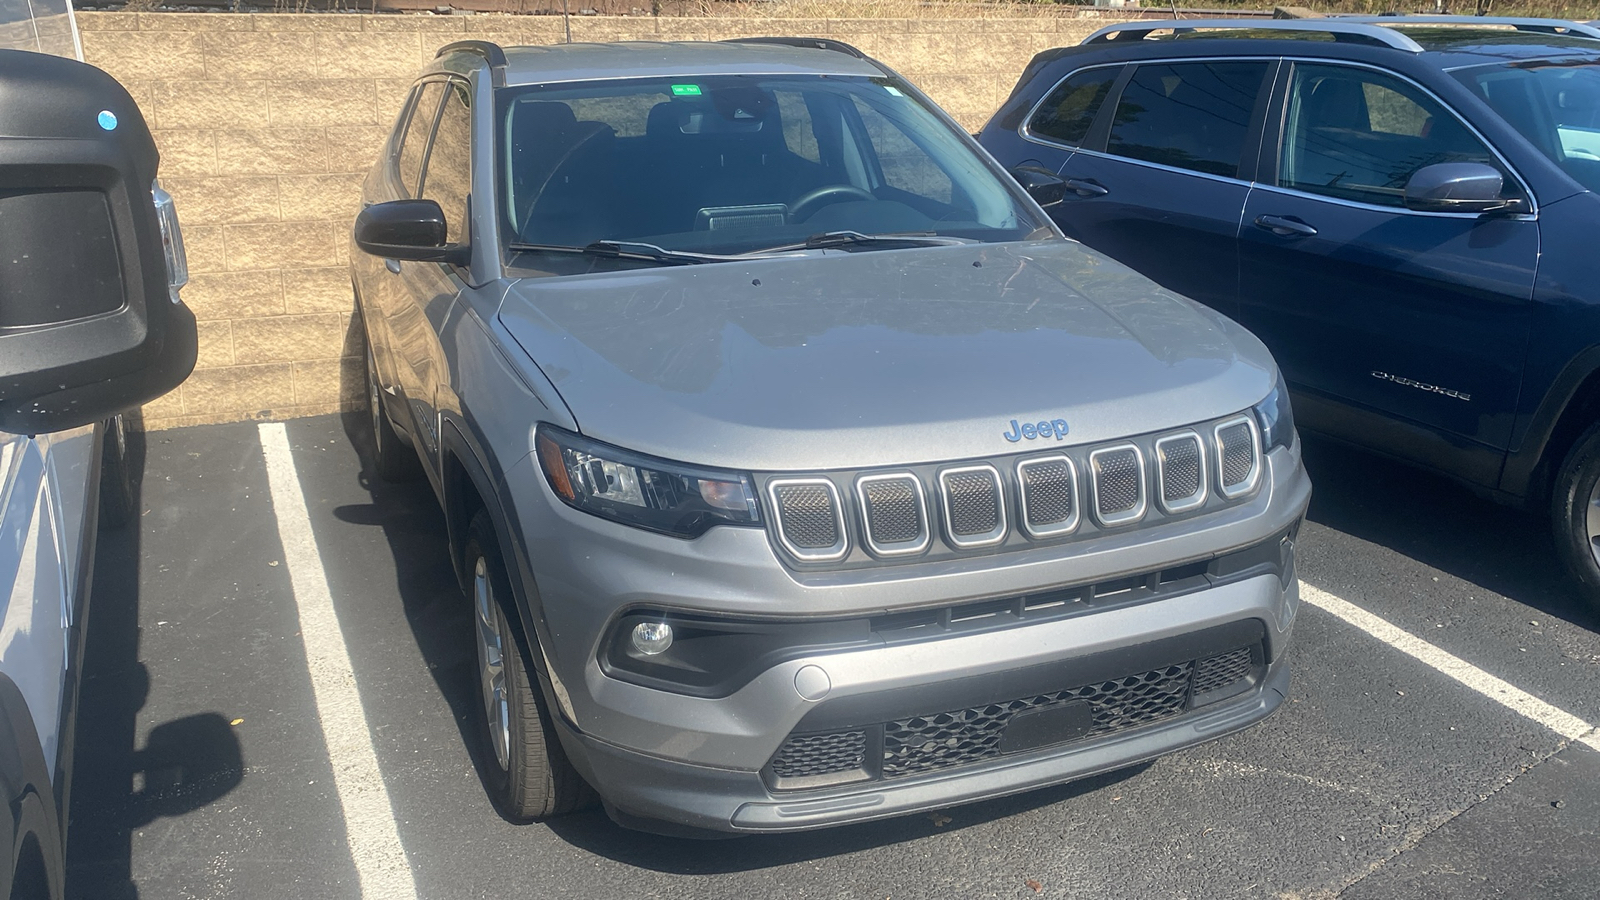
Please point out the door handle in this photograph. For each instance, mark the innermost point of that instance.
(1086, 189)
(392, 265)
(1285, 226)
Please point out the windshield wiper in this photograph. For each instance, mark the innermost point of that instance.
(826, 239)
(624, 250)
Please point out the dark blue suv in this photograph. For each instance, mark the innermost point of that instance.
(1403, 208)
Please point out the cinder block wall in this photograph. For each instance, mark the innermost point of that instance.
(267, 124)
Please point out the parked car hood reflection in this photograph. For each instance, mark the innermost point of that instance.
(839, 359)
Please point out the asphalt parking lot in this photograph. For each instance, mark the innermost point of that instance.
(202, 768)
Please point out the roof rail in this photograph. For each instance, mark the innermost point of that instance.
(489, 50)
(1542, 26)
(1341, 29)
(810, 43)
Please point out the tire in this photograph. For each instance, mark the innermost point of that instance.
(527, 772)
(392, 459)
(1575, 514)
(118, 490)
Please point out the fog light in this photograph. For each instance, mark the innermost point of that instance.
(652, 638)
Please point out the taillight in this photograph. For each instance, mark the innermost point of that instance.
(171, 241)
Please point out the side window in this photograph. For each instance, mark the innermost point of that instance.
(448, 180)
(1065, 115)
(906, 166)
(1188, 115)
(415, 143)
(1359, 135)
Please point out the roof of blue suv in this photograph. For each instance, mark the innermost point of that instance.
(1443, 45)
(661, 59)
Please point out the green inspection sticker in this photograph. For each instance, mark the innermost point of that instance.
(686, 90)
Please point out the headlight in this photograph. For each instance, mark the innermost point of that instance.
(1276, 418)
(642, 491)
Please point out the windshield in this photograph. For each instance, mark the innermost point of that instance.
(1554, 104)
(741, 164)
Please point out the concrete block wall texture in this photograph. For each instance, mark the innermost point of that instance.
(267, 124)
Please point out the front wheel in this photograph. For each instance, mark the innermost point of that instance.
(528, 772)
(1575, 513)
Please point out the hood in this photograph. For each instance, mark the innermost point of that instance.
(892, 357)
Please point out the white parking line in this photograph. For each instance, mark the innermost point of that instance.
(1513, 698)
(370, 829)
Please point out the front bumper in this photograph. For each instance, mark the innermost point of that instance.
(654, 794)
(704, 761)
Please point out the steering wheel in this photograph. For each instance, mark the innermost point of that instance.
(811, 201)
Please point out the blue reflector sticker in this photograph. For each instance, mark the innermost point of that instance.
(107, 120)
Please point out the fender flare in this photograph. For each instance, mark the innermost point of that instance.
(1523, 463)
(488, 480)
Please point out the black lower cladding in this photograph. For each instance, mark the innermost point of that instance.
(1097, 706)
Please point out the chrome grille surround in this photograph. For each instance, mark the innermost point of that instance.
(1231, 483)
(1032, 485)
(873, 492)
(1174, 469)
(803, 490)
(1105, 486)
(953, 507)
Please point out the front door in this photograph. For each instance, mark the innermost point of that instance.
(430, 288)
(1371, 307)
(1163, 191)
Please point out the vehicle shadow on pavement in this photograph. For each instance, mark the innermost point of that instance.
(595, 833)
(434, 606)
(1441, 524)
(117, 786)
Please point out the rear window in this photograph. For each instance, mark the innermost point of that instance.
(1188, 115)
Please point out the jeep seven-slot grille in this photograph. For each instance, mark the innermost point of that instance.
(1236, 444)
(932, 741)
(974, 502)
(1180, 463)
(892, 506)
(810, 520)
(852, 518)
(1049, 494)
(1118, 484)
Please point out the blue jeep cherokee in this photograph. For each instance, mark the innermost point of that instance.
(1402, 208)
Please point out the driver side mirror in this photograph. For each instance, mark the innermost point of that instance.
(412, 230)
(1458, 187)
(1044, 186)
(91, 323)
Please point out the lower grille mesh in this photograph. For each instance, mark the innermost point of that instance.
(933, 741)
(820, 754)
(1221, 671)
(924, 743)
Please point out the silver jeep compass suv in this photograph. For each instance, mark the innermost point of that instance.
(799, 471)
